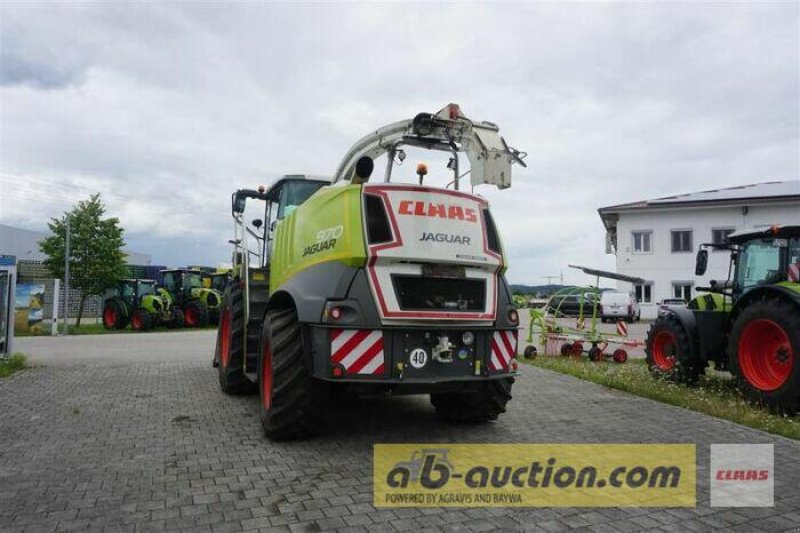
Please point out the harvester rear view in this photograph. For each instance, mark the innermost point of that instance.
(363, 285)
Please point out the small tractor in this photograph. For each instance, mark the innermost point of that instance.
(748, 325)
(184, 288)
(135, 301)
(364, 285)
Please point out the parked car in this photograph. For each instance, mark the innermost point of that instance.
(615, 305)
(569, 305)
(666, 303)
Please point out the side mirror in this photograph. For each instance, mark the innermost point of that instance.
(701, 263)
(238, 204)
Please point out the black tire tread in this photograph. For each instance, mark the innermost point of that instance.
(297, 400)
(487, 403)
(231, 378)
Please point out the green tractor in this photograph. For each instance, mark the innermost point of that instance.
(364, 285)
(217, 281)
(135, 301)
(184, 289)
(748, 325)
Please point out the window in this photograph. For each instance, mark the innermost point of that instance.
(644, 293)
(720, 235)
(682, 290)
(642, 242)
(759, 263)
(681, 241)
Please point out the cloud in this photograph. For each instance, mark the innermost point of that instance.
(167, 108)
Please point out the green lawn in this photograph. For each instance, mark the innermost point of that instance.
(715, 395)
(11, 364)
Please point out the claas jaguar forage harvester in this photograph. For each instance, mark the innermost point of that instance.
(366, 284)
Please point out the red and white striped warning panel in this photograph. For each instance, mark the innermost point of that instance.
(359, 351)
(794, 272)
(622, 328)
(504, 347)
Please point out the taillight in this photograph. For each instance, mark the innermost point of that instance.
(513, 317)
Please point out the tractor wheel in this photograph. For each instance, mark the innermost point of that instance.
(291, 400)
(114, 316)
(764, 354)
(229, 354)
(566, 349)
(195, 314)
(577, 349)
(530, 352)
(669, 353)
(487, 403)
(141, 320)
(176, 319)
(620, 356)
(595, 354)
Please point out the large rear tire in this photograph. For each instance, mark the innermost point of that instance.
(764, 354)
(668, 352)
(115, 314)
(487, 403)
(291, 400)
(195, 314)
(229, 353)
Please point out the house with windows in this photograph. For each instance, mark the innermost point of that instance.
(657, 239)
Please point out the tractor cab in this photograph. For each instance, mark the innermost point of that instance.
(759, 258)
(217, 281)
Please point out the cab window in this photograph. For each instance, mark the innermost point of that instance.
(294, 193)
(759, 264)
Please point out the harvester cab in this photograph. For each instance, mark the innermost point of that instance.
(135, 301)
(748, 324)
(184, 288)
(365, 284)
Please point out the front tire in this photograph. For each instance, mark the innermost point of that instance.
(114, 314)
(764, 354)
(229, 354)
(141, 320)
(669, 353)
(487, 403)
(176, 320)
(195, 314)
(291, 400)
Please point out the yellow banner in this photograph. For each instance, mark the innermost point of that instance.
(534, 475)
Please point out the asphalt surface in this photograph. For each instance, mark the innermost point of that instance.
(131, 433)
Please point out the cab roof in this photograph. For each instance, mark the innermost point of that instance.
(776, 231)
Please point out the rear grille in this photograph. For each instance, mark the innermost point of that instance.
(416, 293)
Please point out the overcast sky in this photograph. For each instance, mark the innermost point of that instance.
(167, 108)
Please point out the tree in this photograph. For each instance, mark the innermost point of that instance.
(96, 258)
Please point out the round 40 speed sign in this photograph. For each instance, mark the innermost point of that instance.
(418, 358)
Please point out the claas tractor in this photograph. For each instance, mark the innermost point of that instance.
(363, 284)
(217, 280)
(184, 288)
(135, 301)
(748, 325)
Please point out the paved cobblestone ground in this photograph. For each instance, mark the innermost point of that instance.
(116, 444)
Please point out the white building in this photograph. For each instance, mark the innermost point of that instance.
(657, 239)
(24, 245)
